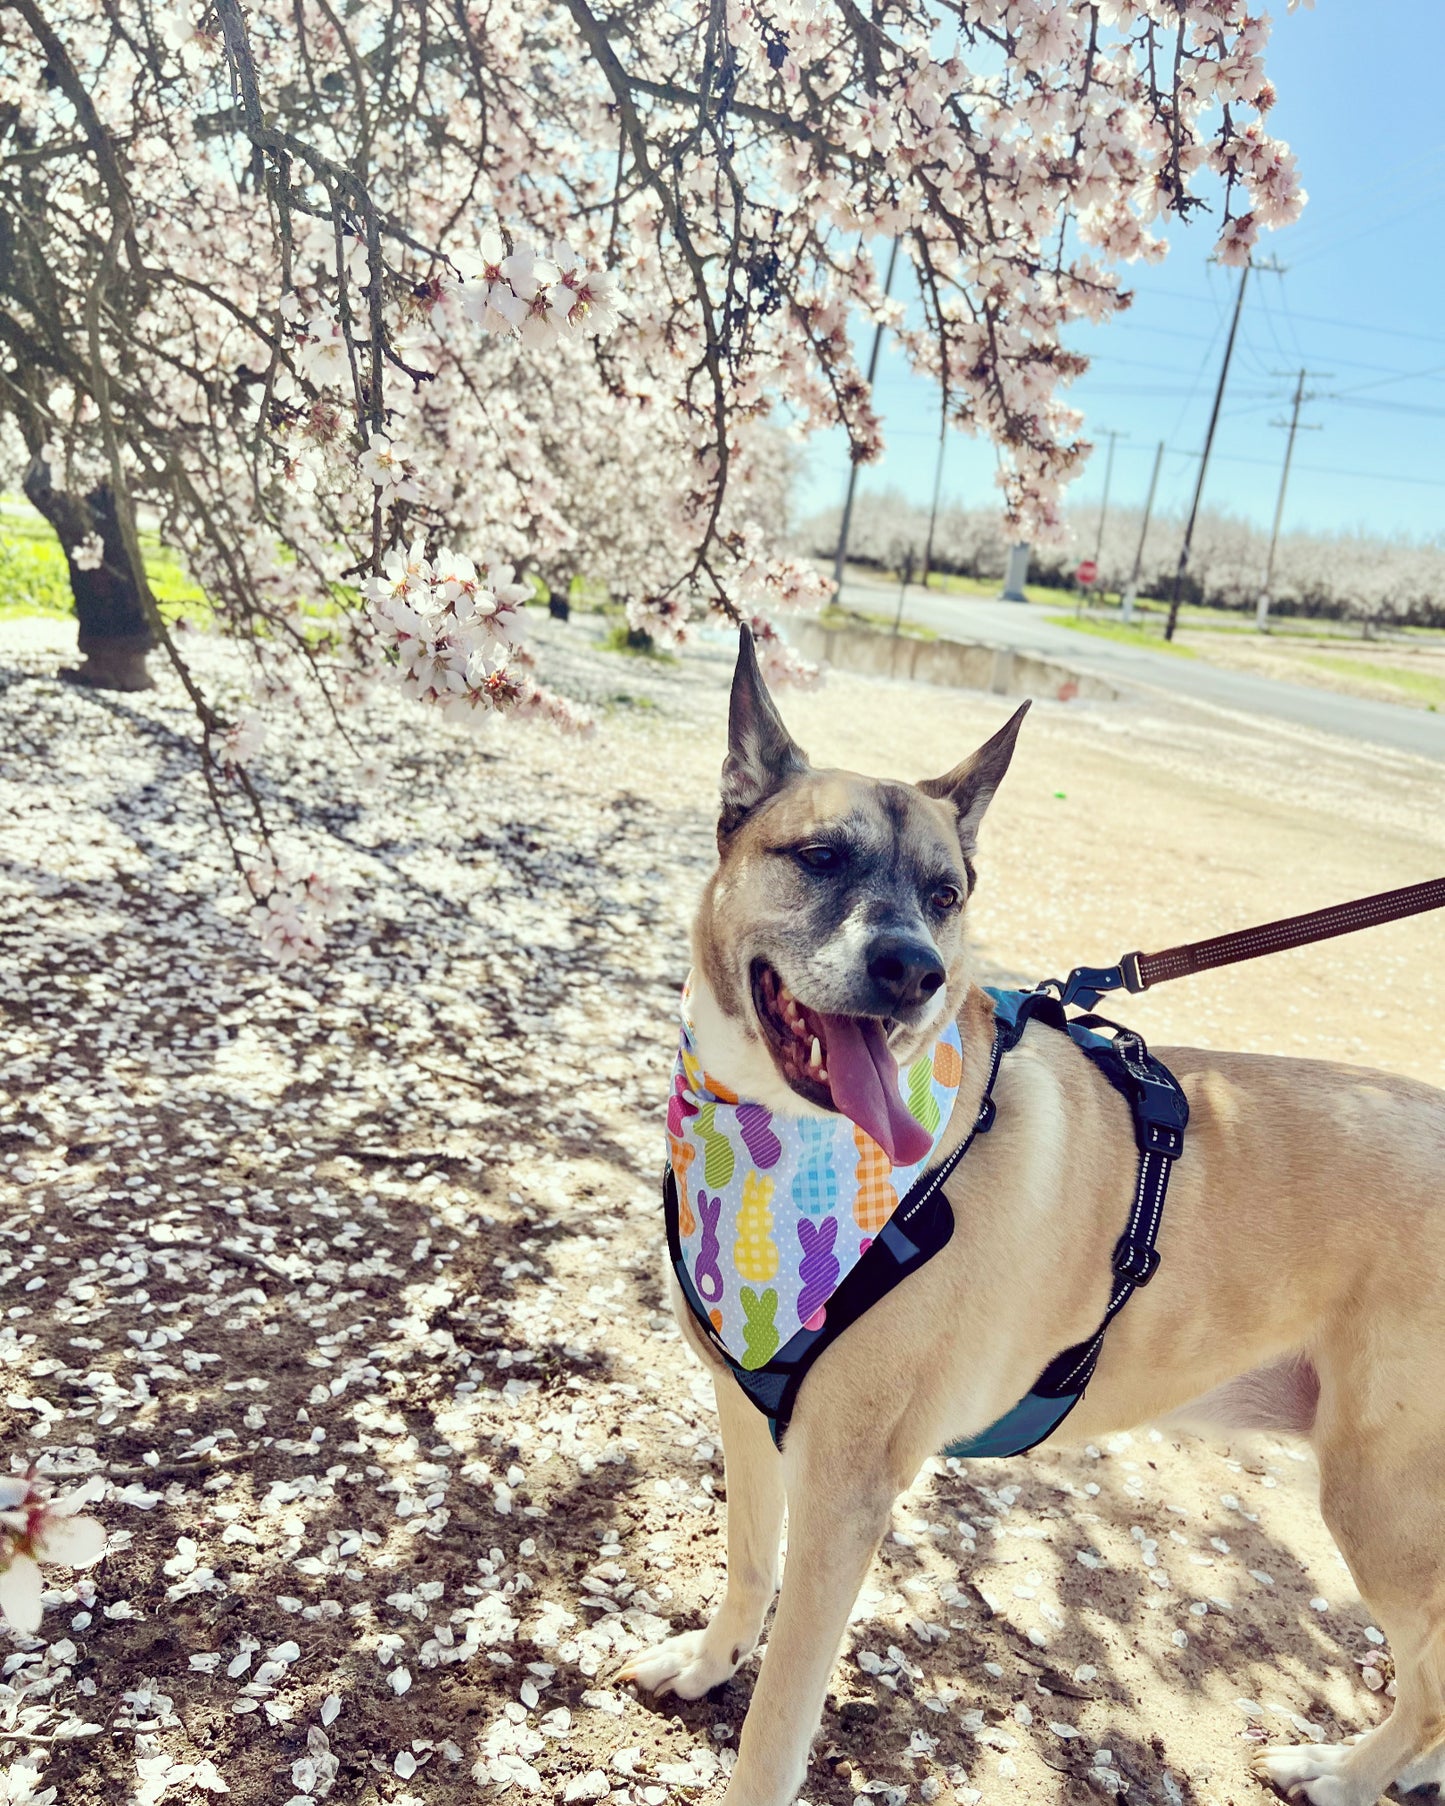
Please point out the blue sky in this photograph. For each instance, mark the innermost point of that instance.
(1363, 298)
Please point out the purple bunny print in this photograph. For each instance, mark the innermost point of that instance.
(707, 1275)
(756, 1126)
(818, 1269)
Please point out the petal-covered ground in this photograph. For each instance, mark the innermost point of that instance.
(345, 1278)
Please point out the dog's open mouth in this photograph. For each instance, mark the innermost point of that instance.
(839, 1063)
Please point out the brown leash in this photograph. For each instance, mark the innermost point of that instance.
(1138, 971)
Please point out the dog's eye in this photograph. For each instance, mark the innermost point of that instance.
(819, 857)
(946, 897)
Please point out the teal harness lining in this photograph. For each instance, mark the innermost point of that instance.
(923, 1223)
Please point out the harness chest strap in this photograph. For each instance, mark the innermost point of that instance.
(922, 1225)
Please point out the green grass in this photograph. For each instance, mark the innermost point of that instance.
(33, 574)
(34, 577)
(1192, 615)
(620, 639)
(1041, 594)
(1121, 634)
(834, 616)
(1426, 687)
(587, 595)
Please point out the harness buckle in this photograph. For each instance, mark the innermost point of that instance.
(1161, 1138)
(1161, 1113)
(1134, 1263)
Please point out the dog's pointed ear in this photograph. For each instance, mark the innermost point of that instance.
(970, 786)
(762, 754)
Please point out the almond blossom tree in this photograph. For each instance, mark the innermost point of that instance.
(370, 308)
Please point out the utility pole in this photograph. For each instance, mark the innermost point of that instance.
(847, 521)
(937, 487)
(1131, 590)
(1273, 265)
(1261, 608)
(1111, 435)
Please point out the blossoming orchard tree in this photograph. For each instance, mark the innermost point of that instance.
(371, 307)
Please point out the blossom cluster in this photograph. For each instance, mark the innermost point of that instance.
(444, 628)
(290, 911)
(534, 298)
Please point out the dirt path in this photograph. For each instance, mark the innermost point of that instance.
(347, 1277)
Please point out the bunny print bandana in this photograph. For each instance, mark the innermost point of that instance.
(774, 1210)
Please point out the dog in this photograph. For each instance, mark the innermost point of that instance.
(1302, 1283)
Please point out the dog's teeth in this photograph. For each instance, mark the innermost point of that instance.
(786, 994)
(815, 1057)
(823, 1074)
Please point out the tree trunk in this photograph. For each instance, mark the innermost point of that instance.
(115, 635)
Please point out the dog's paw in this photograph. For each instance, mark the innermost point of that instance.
(689, 1665)
(1307, 1772)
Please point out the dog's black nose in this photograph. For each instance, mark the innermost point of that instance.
(905, 971)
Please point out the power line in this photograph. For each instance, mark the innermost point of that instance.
(1269, 321)
(1389, 407)
(1355, 197)
(1188, 455)
(1315, 470)
(1200, 338)
(1369, 326)
(1308, 253)
(1432, 373)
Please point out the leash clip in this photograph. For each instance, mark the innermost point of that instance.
(1085, 985)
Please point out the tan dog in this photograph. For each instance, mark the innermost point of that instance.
(1302, 1285)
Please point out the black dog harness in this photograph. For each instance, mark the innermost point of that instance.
(923, 1223)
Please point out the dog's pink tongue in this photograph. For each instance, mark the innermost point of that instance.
(864, 1078)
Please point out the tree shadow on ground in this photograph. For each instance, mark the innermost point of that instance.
(1004, 1658)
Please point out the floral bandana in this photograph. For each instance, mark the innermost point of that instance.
(774, 1211)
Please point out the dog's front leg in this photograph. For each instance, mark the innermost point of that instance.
(699, 1659)
(836, 1519)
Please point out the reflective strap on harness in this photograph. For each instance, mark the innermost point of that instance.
(1160, 1112)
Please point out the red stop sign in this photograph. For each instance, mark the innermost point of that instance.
(1087, 572)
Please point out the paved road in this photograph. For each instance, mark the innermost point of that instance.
(1029, 629)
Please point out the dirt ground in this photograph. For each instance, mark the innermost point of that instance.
(346, 1278)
